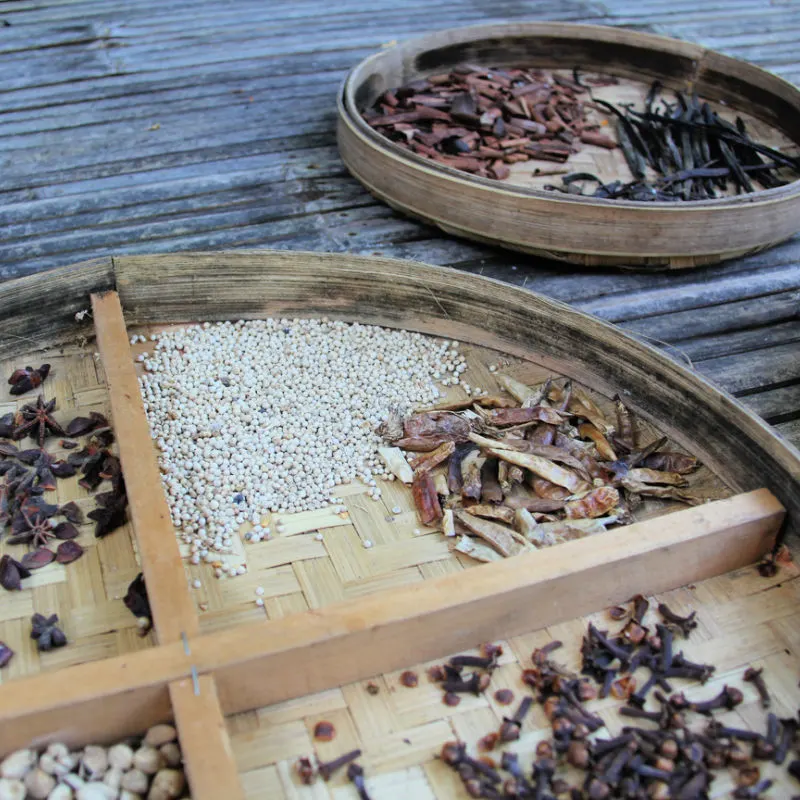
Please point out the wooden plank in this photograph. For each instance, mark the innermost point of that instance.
(355, 639)
(173, 609)
(205, 744)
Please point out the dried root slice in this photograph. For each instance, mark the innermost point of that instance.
(532, 530)
(425, 498)
(596, 503)
(521, 392)
(395, 460)
(428, 461)
(506, 541)
(567, 529)
(644, 475)
(504, 417)
(663, 492)
(448, 523)
(471, 475)
(477, 550)
(503, 513)
(588, 431)
(543, 468)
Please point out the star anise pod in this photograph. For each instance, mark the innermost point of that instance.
(72, 512)
(7, 425)
(110, 514)
(23, 380)
(138, 603)
(37, 421)
(37, 558)
(80, 426)
(40, 530)
(6, 654)
(12, 573)
(46, 633)
(47, 467)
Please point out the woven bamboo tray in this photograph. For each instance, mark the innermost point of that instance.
(517, 213)
(240, 681)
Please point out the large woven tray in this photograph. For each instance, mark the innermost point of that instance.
(334, 612)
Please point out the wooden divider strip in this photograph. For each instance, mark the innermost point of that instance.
(167, 586)
(327, 647)
(205, 744)
(388, 630)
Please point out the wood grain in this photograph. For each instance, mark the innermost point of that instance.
(167, 589)
(205, 745)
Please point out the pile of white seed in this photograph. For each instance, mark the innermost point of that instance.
(270, 416)
(152, 770)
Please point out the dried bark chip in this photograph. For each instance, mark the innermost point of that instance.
(68, 552)
(37, 558)
(409, 679)
(504, 697)
(324, 731)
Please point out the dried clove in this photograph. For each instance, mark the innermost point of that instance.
(356, 775)
(324, 731)
(755, 677)
(504, 697)
(476, 683)
(326, 769)
(409, 679)
(685, 624)
(305, 771)
(511, 726)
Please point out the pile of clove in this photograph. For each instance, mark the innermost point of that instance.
(682, 150)
(675, 759)
(481, 120)
(507, 476)
(28, 474)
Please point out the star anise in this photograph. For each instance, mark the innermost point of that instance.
(7, 425)
(47, 635)
(47, 467)
(38, 531)
(110, 513)
(37, 421)
(12, 573)
(23, 380)
(80, 426)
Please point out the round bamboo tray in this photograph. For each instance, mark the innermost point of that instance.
(517, 213)
(403, 601)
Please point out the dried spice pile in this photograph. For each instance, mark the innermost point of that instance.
(149, 766)
(26, 516)
(683, 150)
(510, 475)
(673, 751)
(272, 415)
(481, 120)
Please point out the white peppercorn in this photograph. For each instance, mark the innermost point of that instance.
(120, 756)
(18, 764)
(94, 762)
(61, 792)
(135, 781)
(159, 735)
(39, 784)
(148, 760)
(11, 789)
(167, 785)
(113, 778)
(171, 753)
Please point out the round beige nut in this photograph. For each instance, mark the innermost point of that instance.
(171, 753)
(121, 757)
(148, 760)
(75, 782)
(39, 784)
(135, 781)
(97, 791)
(126, 795)
(160, 734)
(170, 783)
(94, 761)
(61, 792)
(11, 789)
(113, 778)
(47, 763)
(57, 750)
(18, 764)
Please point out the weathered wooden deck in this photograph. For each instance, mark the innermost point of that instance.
(161, 125)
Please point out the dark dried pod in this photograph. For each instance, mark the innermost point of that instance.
(68, 551)
(62, 469)
(68, 444)
(29, 456)
(137, 602)
(12, 573)
(7, 425)
(80, 426)
(46, 632)
(72, 513)
(27, 379)
(65, 530)
(37, 558)
(6, 654)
